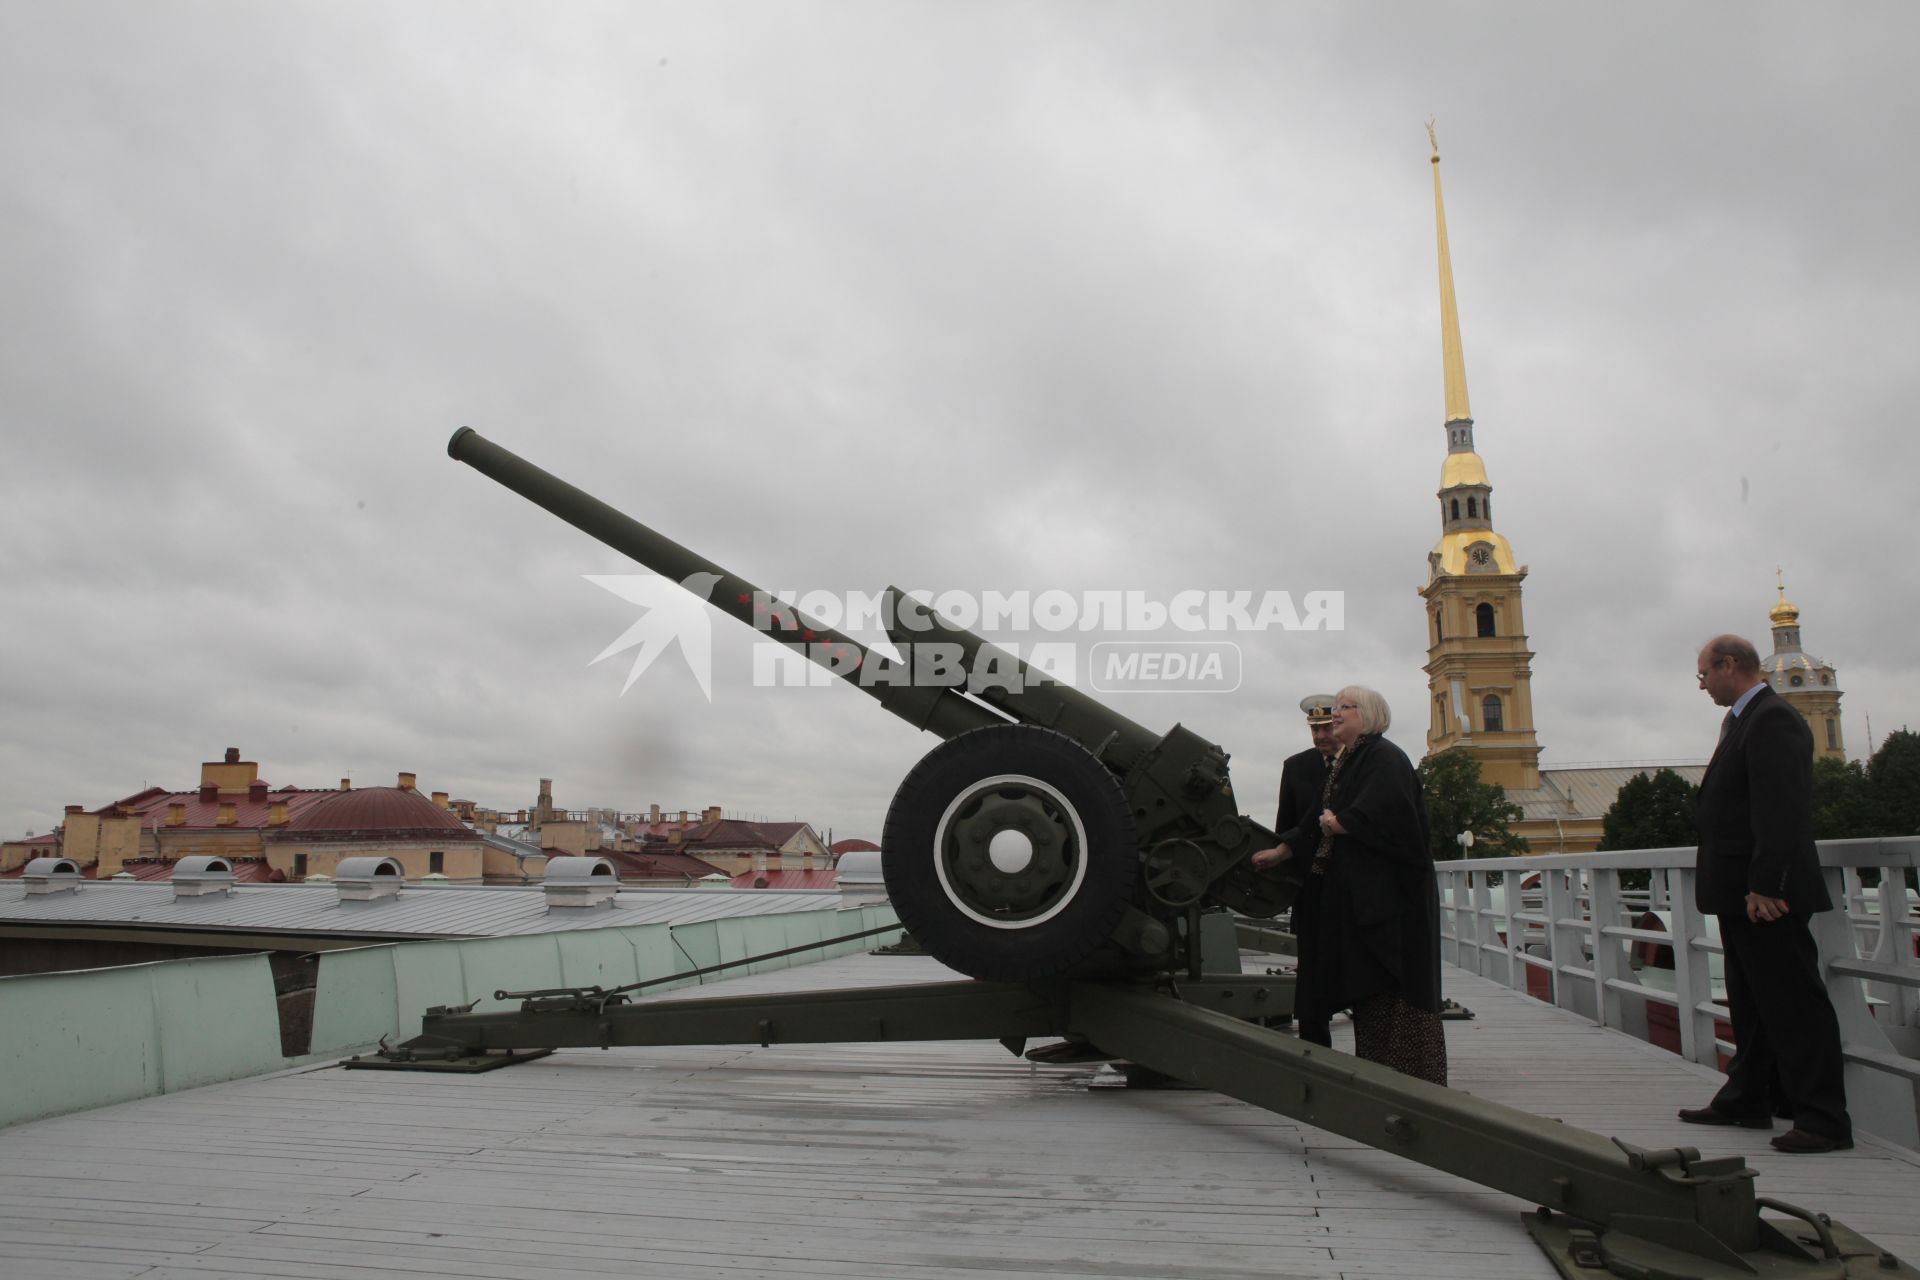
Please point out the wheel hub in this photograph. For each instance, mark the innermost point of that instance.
(1010, 851)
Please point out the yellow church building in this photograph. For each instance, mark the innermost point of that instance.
(1479, 673)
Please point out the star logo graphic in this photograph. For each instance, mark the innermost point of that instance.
(671, 611)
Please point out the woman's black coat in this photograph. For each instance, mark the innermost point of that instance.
(1377, 926)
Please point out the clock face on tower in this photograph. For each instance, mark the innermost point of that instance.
(1480, 556)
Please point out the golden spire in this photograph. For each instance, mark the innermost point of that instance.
(1456, 363)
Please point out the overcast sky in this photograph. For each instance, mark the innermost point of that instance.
(983, 296)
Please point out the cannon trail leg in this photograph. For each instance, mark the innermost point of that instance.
(1628, 1211)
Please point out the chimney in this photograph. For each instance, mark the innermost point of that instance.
(277, 814)
(346, 784)
(580, 882)
(228, 816)
(406, 782)
(256, 792)
(200, 877)
(653, 813)
(233, 755)
(440, 798)
(712, 814)
(177, 813)
(368, 879)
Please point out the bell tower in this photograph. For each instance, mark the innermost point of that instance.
(1478, 678)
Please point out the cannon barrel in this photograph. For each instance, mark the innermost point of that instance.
(936, 709)
(1048, 835)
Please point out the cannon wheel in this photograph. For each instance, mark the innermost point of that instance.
(1009, 852)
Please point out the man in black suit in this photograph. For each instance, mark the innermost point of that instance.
(1757, 870)
(1303, 779)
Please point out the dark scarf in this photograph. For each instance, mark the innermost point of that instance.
(1325, 848)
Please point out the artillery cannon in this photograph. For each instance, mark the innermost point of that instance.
(1070, 861)
(1048, 835)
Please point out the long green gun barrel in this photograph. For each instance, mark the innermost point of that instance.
(937, 710)
(1048, 835)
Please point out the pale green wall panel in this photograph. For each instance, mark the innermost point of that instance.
(89, 1038)
(218, 1020)
(655, 955)
(356, 999)
(698, 946)
(426, 973)
(107, 1035)
(530, 963)
(74, 1040)
(597, 958)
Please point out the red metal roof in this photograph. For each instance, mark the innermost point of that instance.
(786, 880)
(381, 811)
(153, 803)
(734, 833)
(839, 847)
(678, 867)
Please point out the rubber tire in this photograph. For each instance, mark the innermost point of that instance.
(1047, 949)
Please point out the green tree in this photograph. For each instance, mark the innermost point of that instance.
(1458, 801)
(1893, 785)
(1842, 809)
(1651, 812)
(1893, 791)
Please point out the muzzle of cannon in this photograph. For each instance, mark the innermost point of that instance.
(1047, 836)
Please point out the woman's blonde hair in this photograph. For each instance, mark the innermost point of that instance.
(1374, 716)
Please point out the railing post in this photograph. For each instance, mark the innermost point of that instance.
(1692, 977)
(1563, 940)
(1445, 877)
(1609, 954)
(1894, 946)
(1511, 929)
(1483, 926)
(1466, 933)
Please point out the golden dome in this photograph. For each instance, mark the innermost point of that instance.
(1462, 468)
(1784, 614)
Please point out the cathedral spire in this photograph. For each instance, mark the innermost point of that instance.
(1451, 355)
(1479, 675)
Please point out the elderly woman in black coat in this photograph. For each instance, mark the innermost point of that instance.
(1377, 930)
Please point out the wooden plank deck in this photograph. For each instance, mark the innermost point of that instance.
(949, 1161)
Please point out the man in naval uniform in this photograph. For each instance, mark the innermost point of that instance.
(1302, 780)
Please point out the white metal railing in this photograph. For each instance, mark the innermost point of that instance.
(1584, 938)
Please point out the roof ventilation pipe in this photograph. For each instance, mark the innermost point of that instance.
(200, 876)
(46, 876)
(368, 879)
(580, 882)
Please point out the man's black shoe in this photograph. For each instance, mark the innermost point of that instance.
(1707, 1115)
(1805, 1142)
